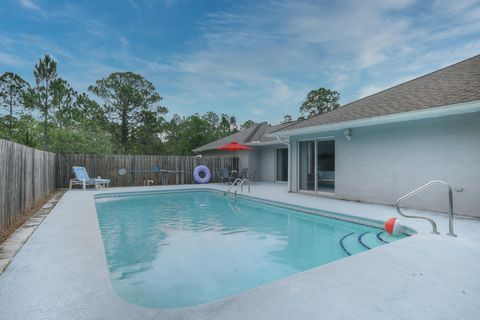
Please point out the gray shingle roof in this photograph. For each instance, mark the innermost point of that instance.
(254, 135)
(265, 129)
(240, 137)
(454, 84)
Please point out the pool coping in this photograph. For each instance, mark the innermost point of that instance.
(15, 242)
(62, 272)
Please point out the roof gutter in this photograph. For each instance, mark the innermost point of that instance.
(454, 109)
(289, 164)
(262, 144)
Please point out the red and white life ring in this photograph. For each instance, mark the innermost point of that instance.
(394, 226)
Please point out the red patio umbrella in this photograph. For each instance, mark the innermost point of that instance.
(234, 146)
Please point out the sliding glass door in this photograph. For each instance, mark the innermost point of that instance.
(326, 165)
(282, 164)
(316, 169)
(307, 165)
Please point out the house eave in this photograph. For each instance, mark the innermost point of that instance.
(448, 110)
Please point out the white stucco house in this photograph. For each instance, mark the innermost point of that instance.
(380, 147)
(268, 161)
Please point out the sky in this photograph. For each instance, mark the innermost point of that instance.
(253, 59)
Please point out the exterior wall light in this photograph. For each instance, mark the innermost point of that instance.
(348, 134)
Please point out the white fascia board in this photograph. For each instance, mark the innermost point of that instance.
(455, 109)
(261, 144)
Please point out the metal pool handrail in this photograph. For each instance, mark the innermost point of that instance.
(434, 225)
(241, 186)
(233, 184)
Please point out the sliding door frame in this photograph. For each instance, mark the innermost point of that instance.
(315, 191)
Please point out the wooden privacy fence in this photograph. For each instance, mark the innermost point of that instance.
(180, 168)
(27, 176)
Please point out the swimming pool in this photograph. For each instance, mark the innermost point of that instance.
(183, 248)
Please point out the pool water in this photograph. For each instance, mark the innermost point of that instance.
(180, 249)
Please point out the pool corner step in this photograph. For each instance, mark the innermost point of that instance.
(352, 243)
(374, 239)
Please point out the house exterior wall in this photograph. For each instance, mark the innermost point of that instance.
(252, 164)
(266, 164)
(261, 160)
(381, 163)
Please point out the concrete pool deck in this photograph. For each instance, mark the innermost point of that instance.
(61, 272)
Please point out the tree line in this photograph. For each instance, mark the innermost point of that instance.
(125, 117)
(318, 101)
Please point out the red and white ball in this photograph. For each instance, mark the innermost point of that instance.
(394, 226)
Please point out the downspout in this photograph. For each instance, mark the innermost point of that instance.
(289, 162)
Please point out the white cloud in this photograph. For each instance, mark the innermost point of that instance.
(169, 3)
(257, 111)
(443, 57)
(272, 53)
(134, 5)
(96, 28)
(11, 60)
(123, 42)
(454, 6)
(370, 45)
(369, 90)
(30, 4)
(364, 32)
(268, 55)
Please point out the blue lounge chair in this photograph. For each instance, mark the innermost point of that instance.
(228, 177)
(82, 178)
(217, 175)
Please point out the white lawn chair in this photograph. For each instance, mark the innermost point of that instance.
(82, 178)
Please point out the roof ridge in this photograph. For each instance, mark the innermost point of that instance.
(254, 131)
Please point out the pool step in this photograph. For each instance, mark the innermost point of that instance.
(352, 243)
(372, 240)
(387, 237)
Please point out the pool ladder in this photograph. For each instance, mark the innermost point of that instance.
(434, 225)
(236, 186)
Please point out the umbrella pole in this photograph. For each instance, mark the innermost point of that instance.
(235, 163)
